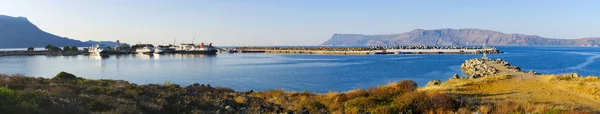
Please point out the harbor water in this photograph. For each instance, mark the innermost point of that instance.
(295, 72)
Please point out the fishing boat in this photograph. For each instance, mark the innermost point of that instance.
(158, 50)
(144, 48)
(101, 50)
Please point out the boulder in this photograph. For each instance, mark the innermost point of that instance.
(574, 75)
(456, 76)
(474, 76)
(434, 83)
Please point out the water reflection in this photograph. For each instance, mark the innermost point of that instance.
(98, 57)
(144, 56)
(193, 56)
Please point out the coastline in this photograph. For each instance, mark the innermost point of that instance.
(457, 95)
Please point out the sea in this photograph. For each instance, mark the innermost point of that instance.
(296, 72)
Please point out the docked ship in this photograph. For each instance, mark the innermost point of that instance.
(196, 49)
(159, 50)
(144, 48)
(101, 50)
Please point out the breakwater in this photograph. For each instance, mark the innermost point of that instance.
(368, 50)
(21, 53)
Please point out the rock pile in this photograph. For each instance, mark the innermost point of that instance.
(508, 65)
(476, 68)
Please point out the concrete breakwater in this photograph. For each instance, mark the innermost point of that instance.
(321, 52)
(365, 51)
(19, 53)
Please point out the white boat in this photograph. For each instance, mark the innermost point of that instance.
(158, 50)
(98, 49)
(145, 49)
(196, 49)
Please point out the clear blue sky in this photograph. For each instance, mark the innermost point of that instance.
(297, 22)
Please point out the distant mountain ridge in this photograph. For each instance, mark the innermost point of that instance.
(461, 37)
(18, 32)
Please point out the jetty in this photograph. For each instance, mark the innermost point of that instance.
(42, 52)
(369, 50)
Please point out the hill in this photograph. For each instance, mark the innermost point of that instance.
(463, 37)
(18, 32)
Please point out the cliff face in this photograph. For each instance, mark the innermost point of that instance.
(18, 32)
(463, 37)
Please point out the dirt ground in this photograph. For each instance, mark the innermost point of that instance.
(525, 88)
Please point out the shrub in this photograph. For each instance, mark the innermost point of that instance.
(415, 102)
(382, 93)
(17, 102)
(98, 106)
(405, 86)
(361, 104)
(386, 109)
(97, 90)
(441, 101)
(357, 93)
(62, 92)
(312, 104)
(64, 76)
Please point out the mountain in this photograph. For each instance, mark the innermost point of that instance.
(18, 32)
(462, 37)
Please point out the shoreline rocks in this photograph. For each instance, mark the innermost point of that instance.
(476, 68)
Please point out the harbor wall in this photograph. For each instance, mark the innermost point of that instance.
(321, 52)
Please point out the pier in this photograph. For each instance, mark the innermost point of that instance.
(368, 50)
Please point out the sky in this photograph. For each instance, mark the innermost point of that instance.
(297, 22)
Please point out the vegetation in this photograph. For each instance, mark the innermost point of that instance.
(30, 49)
(67, 93)
(52, 48)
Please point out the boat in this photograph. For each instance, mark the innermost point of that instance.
(196, 49)
(158, 50)
(167, 49)
(100, 50)
(144, 48)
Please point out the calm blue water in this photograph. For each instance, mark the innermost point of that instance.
(297, 72)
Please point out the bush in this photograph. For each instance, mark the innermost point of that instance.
(405, 86)
(311, 104)
(98, 106)
(74, 48)
(17, 102)
(30, 49)
(64, 76)
(66, 48)
(441, 101)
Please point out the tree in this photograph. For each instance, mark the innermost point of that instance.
(54, 49)
(67, 48)
(74, 48)
(30, 49)
(48, 47)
